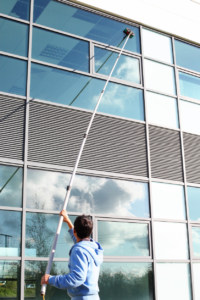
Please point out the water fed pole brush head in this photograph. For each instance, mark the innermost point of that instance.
(127, 31)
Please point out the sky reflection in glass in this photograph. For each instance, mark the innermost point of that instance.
(173, 281)
(14, 37)
(40, 232)
(13, 75)
(89, 194)
(126, 280)
(60, 50)
(170, 240)
(194, 203)
(196, 241)
(189, 85)
(187, 56)
(123, 239)
(15, 8)
(127, 68)
(10, 233)
(84, 23)
(81, 91)
(10, 186)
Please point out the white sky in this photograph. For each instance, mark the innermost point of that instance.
(177, 17)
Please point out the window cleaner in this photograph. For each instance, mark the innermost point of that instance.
(128, 34)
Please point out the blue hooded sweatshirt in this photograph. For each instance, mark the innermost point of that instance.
(81, 282)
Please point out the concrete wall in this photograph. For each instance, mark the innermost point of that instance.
(177, 17)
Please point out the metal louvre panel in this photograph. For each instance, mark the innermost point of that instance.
(116, 145)
(192, 157)
(113, 145)
(12, 124)
(165, 154)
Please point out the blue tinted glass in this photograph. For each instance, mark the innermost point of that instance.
(124, 239)
(196, 241)
(13, 75)
(187, 56)
(13, 37)
(33, 272)
(15, 8)
(10, 233)
(101, 195)
(81, 91)
(126, 281)
(123, 101)
(127, 67)
(83, 23)
(61, 50)
(40, 232)
(194, 203)
(189, 85)
(10, 279)
(10, 186)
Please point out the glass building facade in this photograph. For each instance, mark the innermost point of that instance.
(139, 176)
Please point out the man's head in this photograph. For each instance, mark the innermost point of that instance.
(83, 226)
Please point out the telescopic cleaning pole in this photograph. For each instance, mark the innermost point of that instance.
(129, 34)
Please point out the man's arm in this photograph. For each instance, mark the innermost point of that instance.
(66, 218)
(77, 275)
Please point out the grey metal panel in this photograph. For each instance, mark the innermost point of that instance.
(113, 145)
(12, 120)
(165, 153)
(192, 157)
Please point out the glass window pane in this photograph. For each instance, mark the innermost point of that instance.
(82, 91)
(189, 85)
(170, 240)
(194, 203)
(159, 77)
(60, 50)
(15, 8)
(157, 46)
(168, 201)
(40, 232)
(190, 116)
(173, 281)
(162, 110)
(9, 279)
(33, 273)
(187, 56)
(89, 194)
(10, 186)
(14, 37)
(127, 68)
(128, 281)
(123, 239)
(84, 23)
(196, 276)
(13, 75)
(10, 233)
(196, 241)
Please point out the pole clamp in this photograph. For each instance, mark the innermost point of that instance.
(68, 187)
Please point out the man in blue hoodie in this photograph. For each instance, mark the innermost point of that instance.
(86, 257)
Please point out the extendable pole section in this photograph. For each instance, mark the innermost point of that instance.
(129, 34)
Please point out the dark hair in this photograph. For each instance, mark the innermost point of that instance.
(83, 226)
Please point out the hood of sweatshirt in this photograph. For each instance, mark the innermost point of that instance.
(93, 248)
